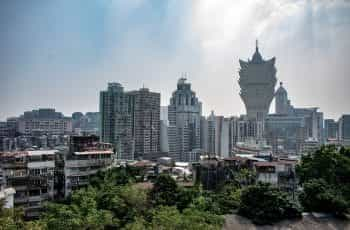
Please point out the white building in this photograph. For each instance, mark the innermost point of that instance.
(215, 135)
(184, 114)
(6, 193)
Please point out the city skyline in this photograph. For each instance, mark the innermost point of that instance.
(64, 62)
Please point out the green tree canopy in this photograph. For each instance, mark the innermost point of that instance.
(325, 177)
(318, 195)
(165, 191)
(264, 204)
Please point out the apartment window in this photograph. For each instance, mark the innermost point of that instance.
(34, 172)
(34, 192)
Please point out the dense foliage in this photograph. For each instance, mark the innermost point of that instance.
(325, 178)
(264, 204)
(115, 201)
(118, 199)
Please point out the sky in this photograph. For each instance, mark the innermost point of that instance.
(61, 53)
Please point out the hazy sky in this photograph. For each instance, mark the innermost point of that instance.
(62, 53)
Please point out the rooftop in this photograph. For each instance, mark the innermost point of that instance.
(94, 152)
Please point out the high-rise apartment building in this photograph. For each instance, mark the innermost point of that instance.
(116, 120)
(145, 112)
(215, 135)
(164, 123)
(344, 129)
(330, 129)
(184, 114)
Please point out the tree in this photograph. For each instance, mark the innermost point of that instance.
(196, 219)
(228, 198)
(169, 218)
(186, 196)
(327, 163)
(115, 176)
(82, 213)
(165, 191)
(127, 203)
(10, 218)
(139, 223)
(245, 177)
(264, 204)
(324, 175)
(206, 203)
(166, 218)
(319, 196)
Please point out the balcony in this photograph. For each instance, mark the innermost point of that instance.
(39, 198)
(20, 200)
(86, 163)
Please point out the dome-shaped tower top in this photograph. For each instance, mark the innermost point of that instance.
(281, 89)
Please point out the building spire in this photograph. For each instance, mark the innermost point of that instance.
(257, 56)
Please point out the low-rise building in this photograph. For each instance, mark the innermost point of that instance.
(45, 121)
(85, 158)
(310, 145)
(279, 173)
(31, 174)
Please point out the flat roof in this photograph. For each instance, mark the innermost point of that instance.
(274, 163)
(42, 152)
(28, 153)
(94, 152)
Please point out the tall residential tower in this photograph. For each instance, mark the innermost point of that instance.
(116, 120)
(145, 110)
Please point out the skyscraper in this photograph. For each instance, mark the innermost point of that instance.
(330, 129)
(257, 81)
(145, 109)
(215, 135)
(116, 120)
(344, 129)
(184, 114)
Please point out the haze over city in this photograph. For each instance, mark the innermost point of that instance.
(60, 54)
(174, 114)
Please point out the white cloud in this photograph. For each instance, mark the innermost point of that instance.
(300, 33)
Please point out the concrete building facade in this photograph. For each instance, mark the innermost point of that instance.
(145, 111)
(184, 114)
(85, 158)
(116, 121)
(216, 135)
(31, 174)
(44, 121)
(344, 129)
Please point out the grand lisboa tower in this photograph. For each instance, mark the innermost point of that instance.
(257, 80)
